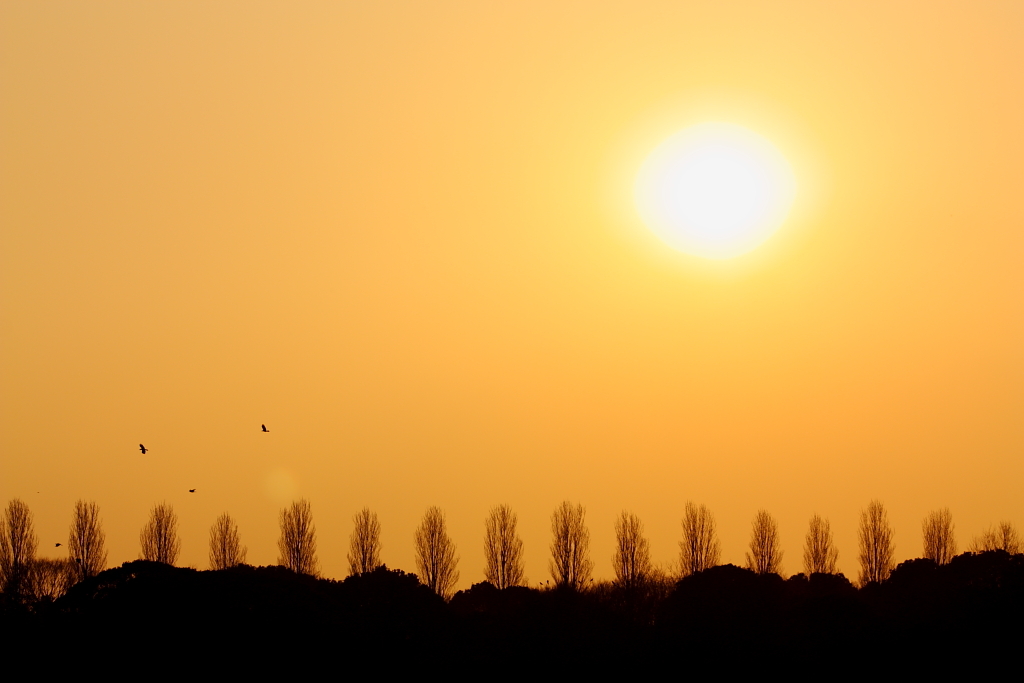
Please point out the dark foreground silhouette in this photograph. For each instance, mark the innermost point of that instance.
(152, 617)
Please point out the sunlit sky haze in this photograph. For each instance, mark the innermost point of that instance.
(403, 236)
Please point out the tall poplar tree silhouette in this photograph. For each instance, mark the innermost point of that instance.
(364, 544)
(820, 554)
(159, 538)
(939, 540)
(631, 560)
(436, 560)
(226, 549)
(570, 563)
(86, 541)
(699, 549)
(765, 555)
(298, 539)
(876, 549)
(17, 548)
(503, 549)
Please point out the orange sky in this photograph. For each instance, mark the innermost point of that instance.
(401, 236)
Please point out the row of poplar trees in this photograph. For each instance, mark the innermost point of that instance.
(21, 573)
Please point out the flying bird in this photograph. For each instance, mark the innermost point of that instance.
(265, 428)
(191, 490)
(143, 449)
(56, 545)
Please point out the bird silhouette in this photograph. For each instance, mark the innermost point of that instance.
(191, 490)
(143, 449)
(265, 428)
(56, 545)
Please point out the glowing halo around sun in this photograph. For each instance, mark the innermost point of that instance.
(715, 190)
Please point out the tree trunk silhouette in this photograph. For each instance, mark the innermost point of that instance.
(875, 544)
(364, 544)
(632, 558)
(939, 541)
(820, 554)
(765, 556)
(570, 563)
(699, 549)
(298, 539)
(17, 548)
(503, 549)
(436, 560)
(86, 549)
(226, 549)
(159, 538)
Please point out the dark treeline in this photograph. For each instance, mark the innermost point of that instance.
(706, 615)
(724, 616)
(437, 560)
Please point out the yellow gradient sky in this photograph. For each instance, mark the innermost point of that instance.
(401, 235)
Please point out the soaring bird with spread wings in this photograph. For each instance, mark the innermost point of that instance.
(265, 428)
(143, 449)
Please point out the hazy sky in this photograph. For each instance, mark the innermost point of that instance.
(401, 235)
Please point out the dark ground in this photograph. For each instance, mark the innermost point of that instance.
(152, 619)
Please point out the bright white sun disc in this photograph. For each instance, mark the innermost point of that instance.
(715, 190)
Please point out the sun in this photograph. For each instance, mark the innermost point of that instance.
(715, 190)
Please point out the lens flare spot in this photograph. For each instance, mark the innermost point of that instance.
(281, 485)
